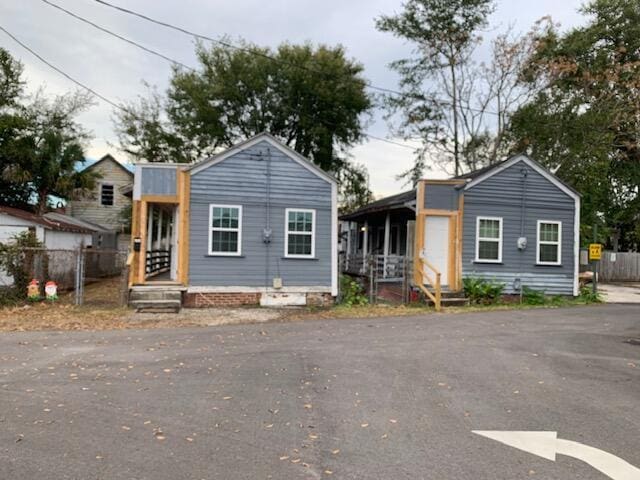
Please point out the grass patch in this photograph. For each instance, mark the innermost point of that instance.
(63, 315)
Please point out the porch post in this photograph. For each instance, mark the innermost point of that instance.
(348, 253)
(159, 230)
(170, 227)
(150, 228)
(387, 231)
(365, 245)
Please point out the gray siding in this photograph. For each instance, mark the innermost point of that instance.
(500, 196)
(441, 197)
(158, 181)
(242, 180)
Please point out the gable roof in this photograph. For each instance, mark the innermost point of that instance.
(61, 225)
(393, 201)
(306, 163)
(483, 174)
(108, 158)
(480, 171)
(61, 217)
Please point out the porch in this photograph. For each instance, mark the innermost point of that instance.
(160, 212)
(160, 252)
(378, 238)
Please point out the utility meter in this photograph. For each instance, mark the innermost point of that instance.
(266, 235)
(522, 243)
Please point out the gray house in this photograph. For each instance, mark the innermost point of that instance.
(256, 223)
(513, 222)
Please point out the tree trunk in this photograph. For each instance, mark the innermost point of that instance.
(41, 206)
(454, 101)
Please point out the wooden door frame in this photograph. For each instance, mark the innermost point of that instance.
(454, 263)
(140, 212)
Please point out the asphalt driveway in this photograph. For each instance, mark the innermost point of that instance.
(385, 398)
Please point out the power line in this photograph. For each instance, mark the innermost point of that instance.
(267, 56)
(390, 141)
(227, 44)
(62, 72)
(231, 45)
(120, 37)
(118, 106)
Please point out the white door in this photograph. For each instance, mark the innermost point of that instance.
(436, 245)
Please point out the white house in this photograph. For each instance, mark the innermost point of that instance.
(53, 231)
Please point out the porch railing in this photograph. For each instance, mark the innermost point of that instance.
(386, 267)
(425, 270)
(158, 261)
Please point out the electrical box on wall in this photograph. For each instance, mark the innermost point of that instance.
(266, 235)
(522, 243)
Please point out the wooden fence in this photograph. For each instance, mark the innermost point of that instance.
(620, 267)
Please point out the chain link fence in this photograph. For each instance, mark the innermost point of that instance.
(83, 276)
(386, 279)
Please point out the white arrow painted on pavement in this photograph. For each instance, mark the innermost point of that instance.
(547, 445)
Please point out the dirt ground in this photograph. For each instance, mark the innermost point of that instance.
(102, 311)
(64, 316)
(628, 292)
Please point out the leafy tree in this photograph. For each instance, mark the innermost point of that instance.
(41, 142)
(47, 148)
(11, 90)
(11, 83)
(444, 34)
(311, 98)
(585, 123)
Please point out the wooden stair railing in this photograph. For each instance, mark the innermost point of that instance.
(419, 275)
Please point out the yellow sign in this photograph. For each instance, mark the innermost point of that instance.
(595, 251)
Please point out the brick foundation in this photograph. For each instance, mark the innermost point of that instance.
(230, 299)
(220, 299)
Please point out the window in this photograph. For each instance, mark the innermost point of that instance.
(299, 233)
(106, 195)
(548, 251)
(489, 239)
(225, 230)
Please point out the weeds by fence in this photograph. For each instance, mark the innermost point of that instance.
(82, 276)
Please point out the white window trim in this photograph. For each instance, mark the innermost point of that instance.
(220, 229)
(478, 239)
(547, 242)
(113, 201)
(287, 232)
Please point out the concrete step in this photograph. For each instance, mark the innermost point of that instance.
(449, 298)
(455, 302)
(140, 294)
(160, 305)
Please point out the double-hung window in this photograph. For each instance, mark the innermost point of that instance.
(225, 230)
(549, 247)
(489, 239)
(300, 228)
(106, 195)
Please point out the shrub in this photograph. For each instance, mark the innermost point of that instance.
(482, 291)
(531, 296)
(352, 292)
(587, 296)
(16, 260)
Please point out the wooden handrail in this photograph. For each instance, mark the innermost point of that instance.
(419, 275)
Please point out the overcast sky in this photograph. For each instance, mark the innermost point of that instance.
(117, 70)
